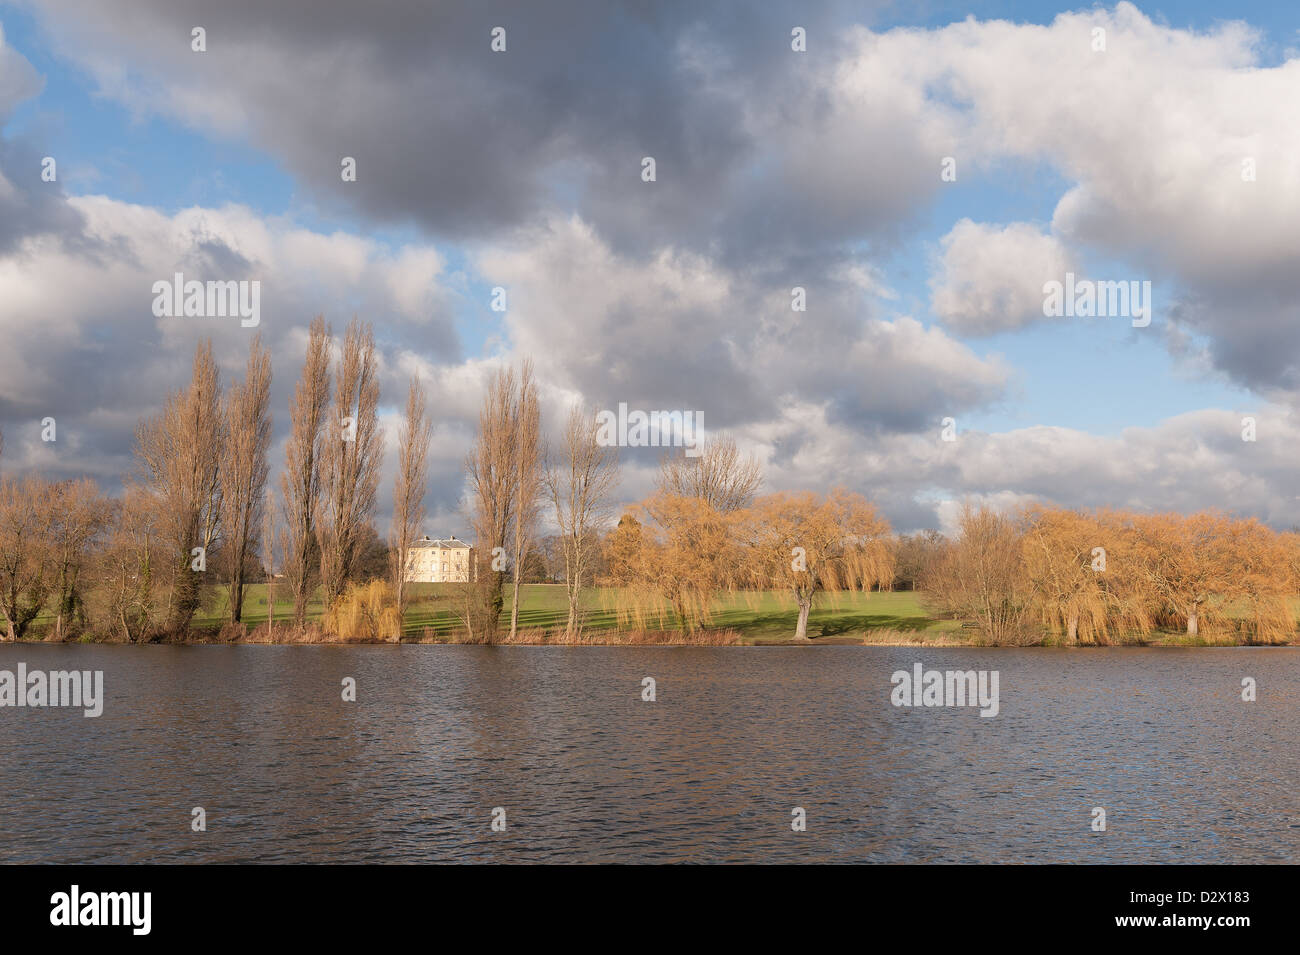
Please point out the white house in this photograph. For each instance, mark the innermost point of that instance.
(432, 561)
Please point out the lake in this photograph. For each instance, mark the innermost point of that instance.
(586, 771)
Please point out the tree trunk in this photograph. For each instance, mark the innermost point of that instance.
(1192, 623)
(801, 629)
(1073, 627)
(514, 605)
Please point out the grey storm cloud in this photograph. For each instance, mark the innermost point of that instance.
(466, 142)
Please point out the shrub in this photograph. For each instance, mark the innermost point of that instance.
(366, 612)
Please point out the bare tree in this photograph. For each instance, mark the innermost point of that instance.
(26, 563)
(181, 450)
(580, 483)
(491, 466)
(300, 483)
(126, 587)
(982, 577)
(79, 514)
(409, 486)
(350, 460)
(268, 558)
(529, 466)
(720, 476)
(244, 468)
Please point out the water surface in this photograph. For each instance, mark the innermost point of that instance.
(586, 772)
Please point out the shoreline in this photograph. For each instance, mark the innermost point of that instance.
(640, 641)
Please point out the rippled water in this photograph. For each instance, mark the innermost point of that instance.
(587, 772)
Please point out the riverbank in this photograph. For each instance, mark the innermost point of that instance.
(756, 618)
(289, 636)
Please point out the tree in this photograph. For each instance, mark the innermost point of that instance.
(268, 558)
(1065, 559)
(300, 483)
(26, 558)
(805, 544)
(181, 451)
(528, 478)
(720, 476)
(1188, 564)
(127, 586)
(916, 556)
(982, 577)
(409, 486)
(492, 470)
(351, 455)
(244, 468)
(622, 551)
(691, 552)
(1264, 580)
(374, 558)
(579, 482)
(78, 516)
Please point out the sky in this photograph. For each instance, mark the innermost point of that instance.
(921, 170)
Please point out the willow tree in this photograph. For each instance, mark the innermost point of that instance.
(804, 544)
(1265, 580)
(1066, 562)
(1188, 564)
(690, 544)
(690, 554)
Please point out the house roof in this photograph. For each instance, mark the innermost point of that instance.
(450, 542)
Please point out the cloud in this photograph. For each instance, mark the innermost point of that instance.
(1190, 462)
(28, 205)
(681, 331)
(768, 160)
(775, 170)
(991, 279)
(83, 345)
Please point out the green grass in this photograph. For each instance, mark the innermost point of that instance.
(767, 617)
(761, 617)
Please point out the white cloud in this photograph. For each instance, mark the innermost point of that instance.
(991, 279)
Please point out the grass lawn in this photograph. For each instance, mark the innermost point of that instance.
(761, 617)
